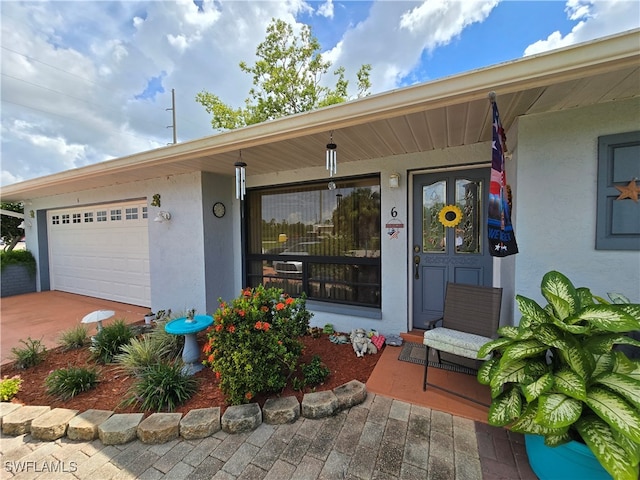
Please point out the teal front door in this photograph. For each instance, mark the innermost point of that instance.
(450, 237)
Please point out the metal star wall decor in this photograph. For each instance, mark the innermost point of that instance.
(629, 191)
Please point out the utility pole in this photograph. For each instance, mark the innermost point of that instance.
(173, 113)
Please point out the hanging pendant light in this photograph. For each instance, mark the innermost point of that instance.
(241, 188)
(331, 158)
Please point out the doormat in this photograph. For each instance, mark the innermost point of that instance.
(417, 353)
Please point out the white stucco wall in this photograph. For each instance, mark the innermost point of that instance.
(555, 202)
(176, 254)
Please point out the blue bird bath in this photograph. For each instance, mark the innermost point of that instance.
(191, 351)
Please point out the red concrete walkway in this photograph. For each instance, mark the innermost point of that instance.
(45, 315)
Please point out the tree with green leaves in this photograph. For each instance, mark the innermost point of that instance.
(9, 231)
(286, 79)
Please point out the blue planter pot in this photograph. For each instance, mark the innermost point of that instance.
(570, 460)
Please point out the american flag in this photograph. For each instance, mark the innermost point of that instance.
(502, 239)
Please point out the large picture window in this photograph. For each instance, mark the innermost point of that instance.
(320, 241)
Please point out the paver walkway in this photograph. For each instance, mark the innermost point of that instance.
(378, 439)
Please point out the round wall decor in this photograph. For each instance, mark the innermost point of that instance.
(219, 209)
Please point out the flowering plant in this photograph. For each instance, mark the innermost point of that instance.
(253, 344)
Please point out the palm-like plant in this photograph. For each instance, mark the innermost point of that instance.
(557, 374)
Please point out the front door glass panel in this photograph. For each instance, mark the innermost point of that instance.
(434, 196)
(469, 201)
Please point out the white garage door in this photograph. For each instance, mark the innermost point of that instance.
(101, 251)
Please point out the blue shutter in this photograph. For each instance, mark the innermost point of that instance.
(618, 222)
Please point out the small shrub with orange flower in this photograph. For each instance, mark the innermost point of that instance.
(254, 343)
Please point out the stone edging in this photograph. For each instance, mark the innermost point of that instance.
(45, 423)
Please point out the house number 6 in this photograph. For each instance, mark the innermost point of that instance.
(394, 213)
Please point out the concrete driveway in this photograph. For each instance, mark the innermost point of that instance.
(45, 315)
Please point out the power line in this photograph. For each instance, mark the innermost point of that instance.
(29, 57)
(73, 119)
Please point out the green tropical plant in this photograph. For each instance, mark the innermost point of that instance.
(162, 386)
(9, 387)
(31, 355)
(66, 383)
(109, 341)
(558, 375)
(74, 338)
(253, 345)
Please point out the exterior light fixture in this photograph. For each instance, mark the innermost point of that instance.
(394, 180)
(331, 157)
(162, 217)
(241, 178)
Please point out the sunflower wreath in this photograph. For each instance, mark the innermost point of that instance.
(450, 216)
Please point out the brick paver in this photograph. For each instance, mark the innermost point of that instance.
(380, 438)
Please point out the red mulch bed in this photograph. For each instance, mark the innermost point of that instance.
(114, 384)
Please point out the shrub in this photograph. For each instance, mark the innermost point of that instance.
(315, 372)
(151, 348)
(9, 387)
(74, 338)
(162, 386)
(18, 257)
(66, 383)
(109, 341)
(31, 355)
(253, 346)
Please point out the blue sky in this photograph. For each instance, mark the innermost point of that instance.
(84, 85)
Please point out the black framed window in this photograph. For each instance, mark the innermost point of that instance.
(322, 241)
(618, 221)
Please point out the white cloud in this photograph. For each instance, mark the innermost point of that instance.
(326, 9)
(596, 18)
(395, 35)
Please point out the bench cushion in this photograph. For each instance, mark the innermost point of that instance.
(456, 342)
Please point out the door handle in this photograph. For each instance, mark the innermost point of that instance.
(416, 261)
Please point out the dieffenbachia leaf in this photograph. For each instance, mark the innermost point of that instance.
(609, 318)
(560, 293)
(558, 410)
(496, 344)
(531, 310)
(523, 349)
(527, 423)
(615, 411)
(601, 441)
(534, 389)
(571, 384)
(505, 408)
(484, 372)
(509, 372)
(624, 385)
